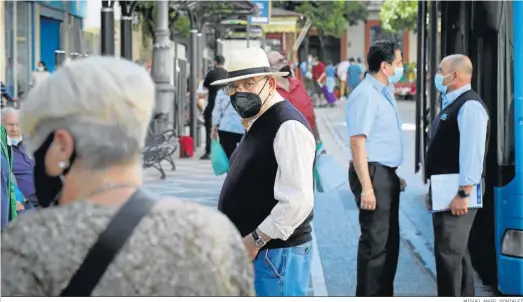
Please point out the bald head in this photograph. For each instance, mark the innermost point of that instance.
(457, 71)
(457, 63)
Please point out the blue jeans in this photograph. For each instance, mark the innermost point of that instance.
(283, 272)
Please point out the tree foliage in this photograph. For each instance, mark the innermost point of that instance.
(398, 15)
(180, 20)
(329, 18)
(179, 23)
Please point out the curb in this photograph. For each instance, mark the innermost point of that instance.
(319, 288)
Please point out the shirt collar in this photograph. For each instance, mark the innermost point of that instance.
(450, 97)
(379, 85)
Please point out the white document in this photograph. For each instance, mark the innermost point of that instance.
(445, 186)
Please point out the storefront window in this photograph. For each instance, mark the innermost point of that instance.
(18, 47)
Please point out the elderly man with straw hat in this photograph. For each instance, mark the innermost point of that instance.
(268, 193)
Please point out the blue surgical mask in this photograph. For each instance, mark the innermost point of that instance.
(396, 77)
(438, 82)
(15, 141)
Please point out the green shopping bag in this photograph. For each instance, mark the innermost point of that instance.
(317, 180)
(316, 174)
(219, 160)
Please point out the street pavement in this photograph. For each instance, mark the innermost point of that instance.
(336, 228)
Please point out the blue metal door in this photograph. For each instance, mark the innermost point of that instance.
(49, 40)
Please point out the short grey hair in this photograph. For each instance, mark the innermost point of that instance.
(9, 111)
(106, 104)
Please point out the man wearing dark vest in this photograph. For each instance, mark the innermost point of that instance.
(459, 139)
(268, 193)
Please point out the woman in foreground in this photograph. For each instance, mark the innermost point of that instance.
(86, 126)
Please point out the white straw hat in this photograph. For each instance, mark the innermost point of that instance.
(248, 63)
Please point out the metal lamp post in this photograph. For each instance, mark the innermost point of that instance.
(126, 28)
(161, 68)
(193, 82)
(107, 28)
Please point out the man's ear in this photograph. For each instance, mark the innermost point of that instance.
(272, 83)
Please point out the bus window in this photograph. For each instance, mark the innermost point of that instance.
(505, 126)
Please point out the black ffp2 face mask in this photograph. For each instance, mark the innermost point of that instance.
(248, 104)
(47, 188)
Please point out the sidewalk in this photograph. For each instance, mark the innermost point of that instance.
(194, 180)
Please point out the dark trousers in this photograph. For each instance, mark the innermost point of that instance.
(378, 248)
(455, 274)
(208, 127)
(229, 141)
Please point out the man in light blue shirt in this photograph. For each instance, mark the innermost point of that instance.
(459, 139)
(226, 124)
(374, 128)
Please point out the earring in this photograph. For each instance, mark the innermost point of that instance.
(62, 165)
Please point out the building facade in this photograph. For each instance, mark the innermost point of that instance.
(31, 31)
(361, 36)
(282, 31)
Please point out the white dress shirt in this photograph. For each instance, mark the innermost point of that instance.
(295, 151)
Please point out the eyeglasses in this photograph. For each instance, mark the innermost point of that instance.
(248, 86)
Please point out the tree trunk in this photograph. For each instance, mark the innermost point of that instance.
(306, 46)
(321, 52)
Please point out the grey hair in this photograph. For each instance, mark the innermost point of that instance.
(8, 111)
(104, 102)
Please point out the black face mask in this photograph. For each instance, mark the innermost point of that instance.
(248, 104)
(48, 188)
(286, 68)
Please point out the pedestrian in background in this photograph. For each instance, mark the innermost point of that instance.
(5, 98)
(10, 203)
(39, 75)
(318, 79)
(374, 129)
(87, 126)
(226, 124)
(293, 91)
(341, 71)
(353, 75)
(330, 75)
(363, 69)
(268, 193)
(216, 74)
(458, 145)
(23, 164)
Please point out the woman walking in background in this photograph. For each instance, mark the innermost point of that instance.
(330, 84)
(226, 123)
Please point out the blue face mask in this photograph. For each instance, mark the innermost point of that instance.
(396, 77)
(438, 82)
(15, 141)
